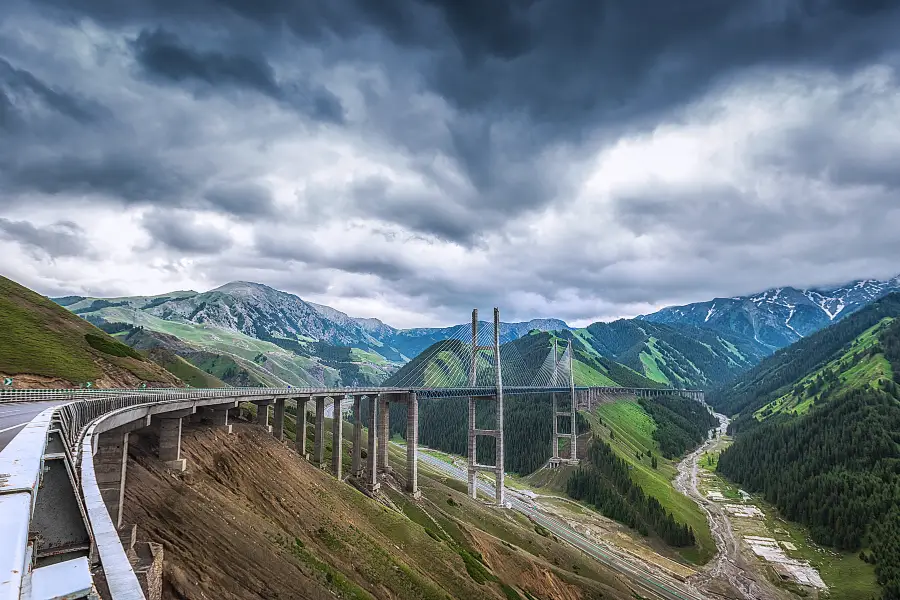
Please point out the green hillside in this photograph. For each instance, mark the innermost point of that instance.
(42, 339)
(184, 370)
(680, 357)
(822, 442)
(776, 375)
(634, 437)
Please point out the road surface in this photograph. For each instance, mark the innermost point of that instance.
(643, 577)
(15, 415)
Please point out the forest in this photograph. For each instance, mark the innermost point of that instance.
(837, 468)
(527, 419)
(681, 424)
(606, 483)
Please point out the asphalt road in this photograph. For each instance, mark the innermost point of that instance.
(15, 415)
(647, 580)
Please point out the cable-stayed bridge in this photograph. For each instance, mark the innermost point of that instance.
(63, 453)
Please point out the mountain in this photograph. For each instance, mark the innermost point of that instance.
(778, 317)
(44, 345)
(680, 356)
(818, 435)
(272, 336)
(776, 375)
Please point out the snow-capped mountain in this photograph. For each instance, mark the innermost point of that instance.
(780, 316)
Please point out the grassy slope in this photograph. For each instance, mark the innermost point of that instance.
(283, 367)
(272, 525)
(181, 368)
(869, 370)
(633, 430)
(42, 338)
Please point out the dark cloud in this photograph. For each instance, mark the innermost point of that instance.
(125, 176)
(27, 90)
(243, 199)
(61, 239)
(162, 54)
(183, 233)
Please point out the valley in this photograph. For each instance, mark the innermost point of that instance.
(654, 496)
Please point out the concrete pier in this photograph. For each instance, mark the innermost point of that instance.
(473, 443)
(262, 413)
(372, 451)
(356, 466)
(278, 421)
(300, 442)
(218, 416)
(170, 443)
(384, 433)
(110, 462)
(319, 438)
(412, 445)
(337, 438)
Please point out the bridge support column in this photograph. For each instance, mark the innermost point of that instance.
(384, 433)
(110, 462)
(319, 437)
(337, 438)
(300, 441)
(473, 444)
(555, 455)
(262, 413)
(412, 445)
(372, 451)
(356, 466)
(218, 416)
(278, 421)
(170, 443)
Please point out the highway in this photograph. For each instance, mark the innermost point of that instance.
(645, 579)
(15, 415)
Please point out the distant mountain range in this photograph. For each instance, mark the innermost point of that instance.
(781, 316)
(277, 337)
(297, 342)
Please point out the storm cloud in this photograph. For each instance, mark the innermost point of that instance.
(409, 159)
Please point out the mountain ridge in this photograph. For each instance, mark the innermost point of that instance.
(778, 316)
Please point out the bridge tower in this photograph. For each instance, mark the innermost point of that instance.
(555, 459)
(497, 397)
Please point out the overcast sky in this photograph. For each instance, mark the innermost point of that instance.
(410, 160)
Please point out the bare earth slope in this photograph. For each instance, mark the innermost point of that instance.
(249, 519)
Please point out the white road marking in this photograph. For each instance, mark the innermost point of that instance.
(13, 427)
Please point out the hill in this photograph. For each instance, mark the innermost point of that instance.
(675, 356)
(776, 375)
(778, 317)
(818, 436)
(252, 520)
(47, 346)
(644, 439)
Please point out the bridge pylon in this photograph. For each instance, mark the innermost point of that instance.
(497, 432)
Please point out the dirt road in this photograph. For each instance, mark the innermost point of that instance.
(729, 565)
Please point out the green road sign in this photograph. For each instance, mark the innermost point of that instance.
(7, 381)
(144, 385)
(89, 385)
